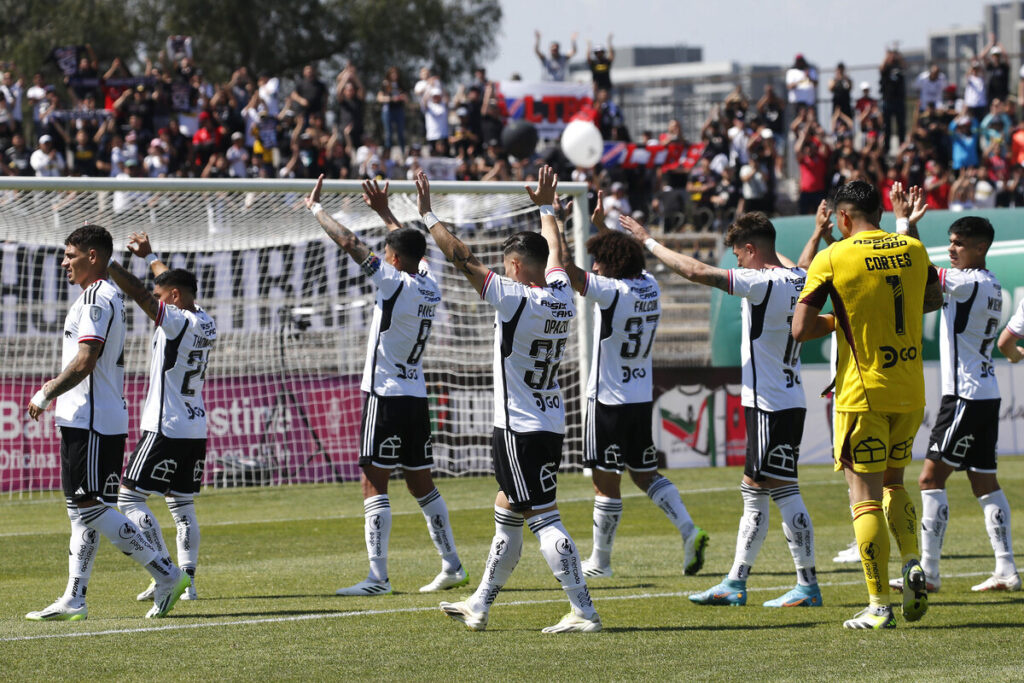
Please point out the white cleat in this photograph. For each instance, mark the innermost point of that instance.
(848, 555)
(573, 623)
(592, 570)
(190, 592)
(366, 587)
(461, 612)
(60, 610)
(932, 584)
(998, 583)
(166, 596)
(446, 580)
(148, 593)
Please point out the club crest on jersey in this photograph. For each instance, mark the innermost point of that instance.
(95, 313)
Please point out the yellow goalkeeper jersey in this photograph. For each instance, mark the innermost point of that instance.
(876, 281)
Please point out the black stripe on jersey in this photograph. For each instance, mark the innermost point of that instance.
(508, 334)
(960, 320)
(170, 360)
(387, 309)
(607, 317)
(757, 313)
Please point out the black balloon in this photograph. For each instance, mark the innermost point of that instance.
(519, 139)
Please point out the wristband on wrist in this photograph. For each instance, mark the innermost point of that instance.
(315, 209)
(40, 400)
(903, 225)
(650, 243)
(547, 210)
(150, 258)
(430, 220)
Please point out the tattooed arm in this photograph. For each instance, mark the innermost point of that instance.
(342, 236)
(690, 268)
(80, 367)
(133, 288)
(452, 247)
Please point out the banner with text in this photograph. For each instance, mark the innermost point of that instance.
(548, 105)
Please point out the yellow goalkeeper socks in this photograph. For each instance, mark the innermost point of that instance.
(873, 541)
(902, 515)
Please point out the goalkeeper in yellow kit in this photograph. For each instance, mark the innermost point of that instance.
(880, 285)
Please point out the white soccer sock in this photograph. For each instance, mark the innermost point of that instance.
(607, 514)
(997, 523)
(934, 519)
(665, 495)
(132, 505)
(506, 549)
(436, 513)
(124, 534)
(183, 509)
(752, 532)
(377, 530)
(81, 555)
(560, 552)
(799, 531)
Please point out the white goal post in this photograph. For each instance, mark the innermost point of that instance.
(293, 313)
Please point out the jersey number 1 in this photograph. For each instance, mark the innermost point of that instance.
(896, 284)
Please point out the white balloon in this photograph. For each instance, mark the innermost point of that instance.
(582, 143)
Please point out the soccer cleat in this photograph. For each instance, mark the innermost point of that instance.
(446, 580)
(166, 596)
(60, 610)
(998, 583)
(592, 570)
(848, 555)
(148, 593)
(366, 587)
(460, 611)
(573, 623)
(728, 592)
(190, 592)
(915, 591)
(801, 596)
(876, 618)
(931, 583)
(693, 551)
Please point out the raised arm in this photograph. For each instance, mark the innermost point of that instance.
(536, 46)
(451, 246)
(377, 199)
(908, 206)
(577, 276)
(822, 231)
(139, 245)
(572, 46)
(342, 236)
(690, 268)
(135, 289)
(544, 197)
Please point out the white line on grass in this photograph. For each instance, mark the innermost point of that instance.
(402, 610)
(471, 508)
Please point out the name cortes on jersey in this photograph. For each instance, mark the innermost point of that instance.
(97, 402)
(403, 314)
(177, 372)
(626, 313)
(531, 330)
(971, 310)
(771, 358)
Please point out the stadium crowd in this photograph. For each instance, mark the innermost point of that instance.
(964, 143)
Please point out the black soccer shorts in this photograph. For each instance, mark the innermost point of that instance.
(619, 437)
(526, 467)
(965, 434)
(162, 465)
(773, 443)
(396, 433)
(90, 464)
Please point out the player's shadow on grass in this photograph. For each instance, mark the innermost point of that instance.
(704, 627)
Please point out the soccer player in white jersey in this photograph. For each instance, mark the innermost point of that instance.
(773, 399)
(396, 418)
(967, 427)
(171, 453)
(93, 420)
(617, 432)
(534, 307)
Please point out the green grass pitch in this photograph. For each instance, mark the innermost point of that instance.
(271, 560)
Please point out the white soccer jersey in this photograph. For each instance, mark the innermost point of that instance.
(971, 308)
(177, 370)
(626, 314)
(771, 358)
(402, 315)
(531, 329)
(97, 402)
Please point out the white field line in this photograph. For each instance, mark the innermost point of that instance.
(403, 610)
(288, 520)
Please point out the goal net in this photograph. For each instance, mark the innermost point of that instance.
(293, 312)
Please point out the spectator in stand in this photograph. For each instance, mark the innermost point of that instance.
(554, 65)
(1017, 145)
(616, 204)
(930, 85)
(771, 109)
(18, 157)
(964, 142)
(841, 88)
(471, 99)
(994, 58)
(84, 155)
(975, 95)
(893, 86)
(754, 190)
(36, 95)
(392, 98)
(310, 93)
(609, 116)
(13, 91)
(351, 97)
(426, 82)
(865, 101)
(156, 163)
(207, 140)
(936, 185)
(268, 87)
(995, 127)
(46, 161)
(802, 85)
(600, 62)
(812, 156)
(237, 157)
(85, 79)
(435, 116)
